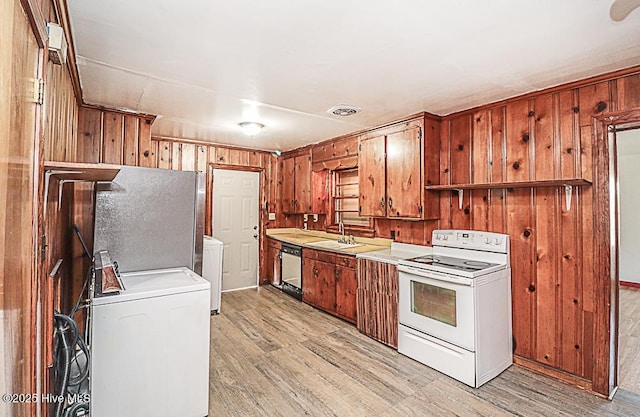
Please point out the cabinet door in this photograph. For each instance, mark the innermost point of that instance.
(288, 185)
(327, 285)
(371, 177)
(310, 282)
(320, 182)
(303, 184)
(346, 293)
(404, 185)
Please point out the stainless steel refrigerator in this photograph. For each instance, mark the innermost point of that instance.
(149, 218)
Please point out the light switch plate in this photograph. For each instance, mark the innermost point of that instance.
(272, 216)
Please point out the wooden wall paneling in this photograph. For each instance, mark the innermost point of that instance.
(201, 158)
(479, 216)
(130, 151)
(60, 132)
(545, 144)
(222, 155)
(239, 157)
(176, 156)
(498, 145)
(255, 159)
(593, 100)
(602, 266)
(571, 292)
(446, 198)
(188, 157)
(19, 53)
(523, 283)
(461, 137)
(147, 151)
(548, 309)
(212, 155)
(431, 167)
(586, 153)
(481, 147)
(89, 135)
(113, 142)
(568, 139)
(628, 89)
(164, 154)
(517, 141)
(584, 200)
(497, 208)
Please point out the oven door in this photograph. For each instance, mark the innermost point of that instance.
(437, 304)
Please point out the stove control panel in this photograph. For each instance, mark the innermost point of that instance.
(471, 239)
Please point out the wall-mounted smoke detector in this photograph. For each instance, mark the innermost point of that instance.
(344, 110)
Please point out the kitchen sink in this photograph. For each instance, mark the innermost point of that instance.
(332, 244)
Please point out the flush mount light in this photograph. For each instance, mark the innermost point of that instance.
(251, 128)
(344, 110)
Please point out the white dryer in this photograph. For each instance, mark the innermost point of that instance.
(150, 346)
(212, 269)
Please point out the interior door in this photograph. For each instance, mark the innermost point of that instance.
(235, 223)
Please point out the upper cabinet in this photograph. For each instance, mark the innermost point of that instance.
(296, 184)
(395, 162)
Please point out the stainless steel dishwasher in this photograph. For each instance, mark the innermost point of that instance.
(291, 270)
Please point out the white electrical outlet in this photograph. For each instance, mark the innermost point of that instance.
(272, 216)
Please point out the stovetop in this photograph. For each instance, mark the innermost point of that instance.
(452, 265)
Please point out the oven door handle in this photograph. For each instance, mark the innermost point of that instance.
(452, 279)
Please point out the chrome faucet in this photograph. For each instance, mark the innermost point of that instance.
(342, 239)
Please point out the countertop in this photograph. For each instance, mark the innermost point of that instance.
(302, 238)
(396, 252)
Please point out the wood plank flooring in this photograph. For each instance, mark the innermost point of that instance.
(272, 355)
(629, 334)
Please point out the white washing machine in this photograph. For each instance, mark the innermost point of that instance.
(212, 269)
(150, 346)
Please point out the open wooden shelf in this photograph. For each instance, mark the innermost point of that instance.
(81, 171)
(75, 172)
(513, 184)
(567, 183)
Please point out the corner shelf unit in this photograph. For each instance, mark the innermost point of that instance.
(568, 185)
(75, 172)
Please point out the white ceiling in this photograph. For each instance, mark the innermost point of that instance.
(203, 66)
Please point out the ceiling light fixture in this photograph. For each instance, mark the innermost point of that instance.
(251, 128)
(344, 110)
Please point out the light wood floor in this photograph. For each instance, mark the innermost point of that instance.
(272, 355)
(629, 339)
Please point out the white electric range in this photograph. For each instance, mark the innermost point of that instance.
(454, 305)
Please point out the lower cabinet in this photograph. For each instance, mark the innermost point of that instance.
(329, 282)
(377, 301)
(272, 265)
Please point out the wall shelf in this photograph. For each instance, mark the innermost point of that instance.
(568, 185)
(75, 172)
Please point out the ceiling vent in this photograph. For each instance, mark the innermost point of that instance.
(344, 110)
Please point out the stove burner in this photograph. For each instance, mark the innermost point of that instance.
(477, 264)
(458, 264)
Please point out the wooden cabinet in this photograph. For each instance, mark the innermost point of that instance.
(296, 184)
(377, 301)
(272, 265)
(392, 174)
(329, 282)
(346, 293)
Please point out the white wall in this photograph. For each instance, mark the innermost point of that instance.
(629, 186)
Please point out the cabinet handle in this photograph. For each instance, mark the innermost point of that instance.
(382, 202)
(315, 271)
(390, 202)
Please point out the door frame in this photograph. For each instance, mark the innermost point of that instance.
(261, 209)
(605, 243)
